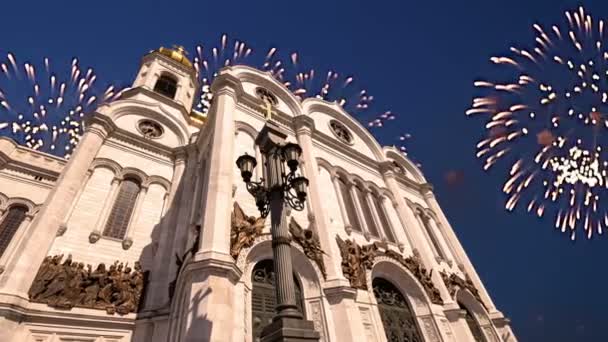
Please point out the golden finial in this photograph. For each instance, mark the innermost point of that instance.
(178, 53)
(181, 50)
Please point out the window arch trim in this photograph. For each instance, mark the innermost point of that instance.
(121, 215)
(167, 85)
(10, 222)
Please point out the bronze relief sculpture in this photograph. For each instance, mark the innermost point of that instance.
(67, 284)
(357, 259)
(243, 231)
(309, 241)
(453, 282)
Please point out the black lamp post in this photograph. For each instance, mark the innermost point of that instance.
(271, 193)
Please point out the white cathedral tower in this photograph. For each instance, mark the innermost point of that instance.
(147, 233)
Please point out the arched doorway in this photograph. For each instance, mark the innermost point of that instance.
(473, 324)
(397, 317)
(263, 296)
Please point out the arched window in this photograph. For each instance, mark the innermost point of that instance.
(473, 325)
(166, 85)
(122, 210)
(349, 205)
(9, 225)
(397, 317)
(384, 221)
(426, 221)
(263, 297)
(367, 212)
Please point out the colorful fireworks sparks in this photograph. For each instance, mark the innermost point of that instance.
(304, 83)
(45, 110)
(548, 120)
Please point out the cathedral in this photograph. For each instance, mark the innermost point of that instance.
(148, 232)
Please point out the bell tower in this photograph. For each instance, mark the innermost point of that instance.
(169, 73)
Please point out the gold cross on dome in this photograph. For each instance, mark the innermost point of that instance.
(181, 50)
(267, 107)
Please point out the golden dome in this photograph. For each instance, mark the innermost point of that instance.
(178, 53)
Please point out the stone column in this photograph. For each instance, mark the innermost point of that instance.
(456, 317)
(108, 202)
(419, 243)
(127, 240)
(36, 245)
(188, 191)
(348, 227)
(304, 129)
(461, 257)
(164, 268)
(218, 198)
(203, 309)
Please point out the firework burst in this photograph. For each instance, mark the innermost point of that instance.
(44, 109)
(303, 82)
(547, 119)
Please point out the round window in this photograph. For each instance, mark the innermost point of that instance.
(341, 132)
(150, 129)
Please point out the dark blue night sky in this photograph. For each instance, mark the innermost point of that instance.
(419, 59)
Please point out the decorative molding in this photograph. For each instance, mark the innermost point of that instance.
(447, 330)
(430, 330)
(94, 236)
(454, 283)
(317, 319)
(414, 265)
(127, 243)
(62, 229)
(309, 241)
(243, 231)
(66, 285)
(357, 259)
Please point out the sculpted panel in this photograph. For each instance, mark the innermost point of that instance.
(453, 282)
(68, 284)
(243, 231)
(310, 244)
(356, 259)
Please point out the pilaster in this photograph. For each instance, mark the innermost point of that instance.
(304, 128)
(461, 256)
(215, 241)
(415, 232)
(34, 247)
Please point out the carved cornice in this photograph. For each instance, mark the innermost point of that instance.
(226, 83)
(454, 283)
(159, 100)
(357, 259)
(426, 188)
(304, 124)
(170, 64)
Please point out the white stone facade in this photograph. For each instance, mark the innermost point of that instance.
(188, 178)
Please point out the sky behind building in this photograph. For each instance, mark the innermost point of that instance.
(419, 59)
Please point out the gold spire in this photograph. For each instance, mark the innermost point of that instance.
(178, 53)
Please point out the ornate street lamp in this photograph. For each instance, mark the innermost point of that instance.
(272, 192)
